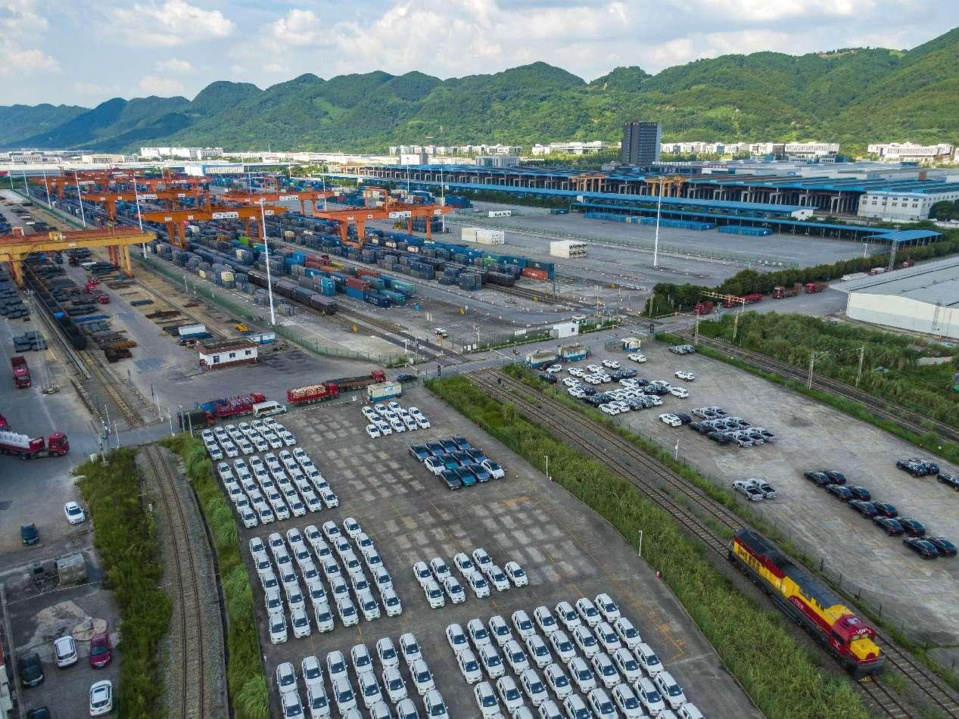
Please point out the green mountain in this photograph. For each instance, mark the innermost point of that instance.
(854, 95)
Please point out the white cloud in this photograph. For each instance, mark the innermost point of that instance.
(175, 22)
(275, 67)
(17, 61)
(162, 86)
(297, 27)
(21, 28)
(93, 90)
(174, 65)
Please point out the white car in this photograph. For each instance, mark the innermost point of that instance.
(545, 620)
(626, 701)
(679, 392)
(323, 616)
(637, 357)
(457, 638)
(317, 702)
(386, 651)
(469, 666)
(648, 660)
(515, 656)
(369, 688)
(523, 624)
(65, 651)
(649, 696)
(627, 633)
(611, 364)
(383, 427)
(74, 513)
(277, 624)
(486, 701)
(500, 630)
(601, 705)
(492, 661)
(627, 665)
(347, 611)
(454, 590)
(478, 633)
(496, 472)
(422, 677)
(101, 698)
(558, 681)
(391, 602)
(605, 670)
(368, 605)
(422, 573)
(478, 584)
(286, 678)
(509, 694)
(440, 570)
(688, 376)
(516, 574)
(671, 419)
(435, 707)
(343, 694)
(497, 578)
(373, 431)
(588, 612)
(300, 621)
(670, 690)
(582, 675)
(749, 490)
(434, 595)
(567, 615)
(482, 558)
(562, 645)
(607, 607)
(607, 638)
(394, 685)
(553, 369)
(533, 687)
(463, 563)
(586, 642)
(539, 651)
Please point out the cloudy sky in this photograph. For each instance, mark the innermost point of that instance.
(86, 51)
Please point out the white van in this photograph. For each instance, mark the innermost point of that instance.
(265, 409)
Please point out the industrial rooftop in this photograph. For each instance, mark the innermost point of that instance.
(932, 282)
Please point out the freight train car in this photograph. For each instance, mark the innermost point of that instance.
(808, 603)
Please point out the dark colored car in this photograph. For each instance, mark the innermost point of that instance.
(450, 479)
(886, 510)
(482, 474)
(950, 480)
(819, 478)
(466, 476)
(918, 467)
(860, 493)
(419, 452)
(477, 455)
(435, 448)
(684, 418)
(866, 509)
(834, 476)
(39, 713)
(461, 442)
(840, 492)
(449, 461)
(912, 527)
(31, 670)
(889, 526)
(463, 458)
(449, 446)
(924, 549)
(101, 653)
(29, 534)
(548, 377)
(945, 547)
(719, 437)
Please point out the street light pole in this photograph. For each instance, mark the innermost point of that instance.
(547, 466)
(46, 186)
(136, 194)
(266, 253)
(659, 208)
(83, 217)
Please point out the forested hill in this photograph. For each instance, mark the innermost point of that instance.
(854, 96)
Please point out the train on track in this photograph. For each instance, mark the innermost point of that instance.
(808, 603)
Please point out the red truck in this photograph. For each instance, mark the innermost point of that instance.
(3, 423)
(348, 384)
(815, 287)
(780, 291)
(312, 393)
(703, 308)
(232, 406)
(22, 446)
(752, 298)
(21, 372)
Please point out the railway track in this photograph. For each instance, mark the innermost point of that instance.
(99, 374)
(906, 418)
(389, 331)
(695, 511)
(189, 643)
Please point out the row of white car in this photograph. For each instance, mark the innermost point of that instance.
(385, 419)
(270, 489)
(378, 689)
(479, 572)
(293, 555)
(614, 658)
(260, 435)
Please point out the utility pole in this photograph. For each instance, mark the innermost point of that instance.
(696, 332)
(862, 357)
(812, 368)
(736, 325)
(266, 253)
(136, 194)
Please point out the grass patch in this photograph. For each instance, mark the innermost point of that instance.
(126, 539)
(245, 676)
(754, 643)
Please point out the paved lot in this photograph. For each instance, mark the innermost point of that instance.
(567, 551)
(919, 594)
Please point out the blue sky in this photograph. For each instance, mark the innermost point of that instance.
(87, 51)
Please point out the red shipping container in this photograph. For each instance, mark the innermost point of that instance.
(535, 274)
(357, 284)
(362, 272)
(314, 262)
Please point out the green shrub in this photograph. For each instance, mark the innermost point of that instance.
(125, 536)
(754, 643)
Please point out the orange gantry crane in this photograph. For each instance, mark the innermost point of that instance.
(301, 196)
(175, 220)
(391, 211)
(14, 249)
(172, 196)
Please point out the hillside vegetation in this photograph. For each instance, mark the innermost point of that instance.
(855, 96)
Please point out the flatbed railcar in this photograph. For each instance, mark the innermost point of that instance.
(808, 603)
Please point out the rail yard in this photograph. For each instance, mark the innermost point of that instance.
(395, 548)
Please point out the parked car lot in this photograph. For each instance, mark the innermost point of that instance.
(526, 520)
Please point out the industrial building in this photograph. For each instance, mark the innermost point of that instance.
(641, 143)
(911, 152)
(226, 353)
(923, 298)
(912, 206)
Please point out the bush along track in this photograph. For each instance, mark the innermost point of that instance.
(754, 643)
(126, 539)
(245, 676)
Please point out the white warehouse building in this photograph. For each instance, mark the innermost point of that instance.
(924, 298)
(892, 206)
